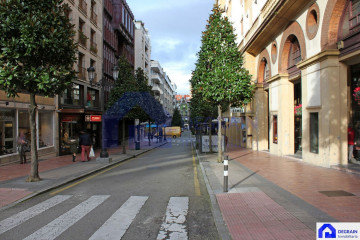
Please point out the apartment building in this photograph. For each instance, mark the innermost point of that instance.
(142, 48)
(83, 100)
(304, 57)
(162, 87)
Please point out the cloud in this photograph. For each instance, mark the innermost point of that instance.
(175, 29)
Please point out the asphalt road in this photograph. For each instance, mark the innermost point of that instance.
(158, 195)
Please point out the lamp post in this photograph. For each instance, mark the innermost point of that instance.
(102, 84)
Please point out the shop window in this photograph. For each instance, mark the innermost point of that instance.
(275, 129)
(7, 131)
(24, 125)
(314, 132)
(70, 126)
(92, 98)
(73, 95)
(46, 137)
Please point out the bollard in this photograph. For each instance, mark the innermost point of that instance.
(226, 173)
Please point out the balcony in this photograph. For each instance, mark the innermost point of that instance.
(157, 90)
(156, 78)
(82, 73)
(93, 18)
(93, 47)
(155, 66)
(83, 7)
(82, 38)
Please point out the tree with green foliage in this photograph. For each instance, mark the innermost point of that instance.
(219, 74)
(176, 118)
(133, 86)
(37, 55)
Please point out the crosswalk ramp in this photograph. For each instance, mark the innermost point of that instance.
(115, 227)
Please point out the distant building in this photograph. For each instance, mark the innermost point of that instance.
(183, 104)
(142, 48)
(162, 86)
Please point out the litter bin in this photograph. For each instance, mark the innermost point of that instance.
(137, 145)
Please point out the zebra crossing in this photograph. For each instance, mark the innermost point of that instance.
(173, 226)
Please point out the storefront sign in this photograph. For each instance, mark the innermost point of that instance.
(92, 118)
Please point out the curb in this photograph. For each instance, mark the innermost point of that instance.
(74, 179)
(219, 221)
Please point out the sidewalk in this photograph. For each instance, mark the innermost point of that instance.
(56, 171)
(273, 197)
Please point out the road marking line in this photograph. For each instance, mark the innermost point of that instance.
(196, 179)
(88, 178)
(174, 226)
(25, 215)
(116, 226)
(62, 223)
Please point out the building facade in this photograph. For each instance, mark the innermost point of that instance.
(183, 105)
(304, 57)
(142, 48)
(84, 98)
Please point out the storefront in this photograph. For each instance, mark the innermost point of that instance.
(72, 123)
(16, 121)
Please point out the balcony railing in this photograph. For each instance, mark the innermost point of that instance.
(82, 38)
(82, 73)
(93, 17)
(93, 47)
(83, 6)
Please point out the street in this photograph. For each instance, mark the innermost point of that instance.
(158, 195)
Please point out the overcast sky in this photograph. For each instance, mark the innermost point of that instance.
(175, 29)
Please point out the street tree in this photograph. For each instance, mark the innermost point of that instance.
(37, 54)
(219, 74)
(176, 118)
(138, 95)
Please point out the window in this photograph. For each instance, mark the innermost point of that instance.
(81, 66)
(24, 125)
(92, 98)
(314, 132)
(275, 130)
(73, 95)
(295, 53)
(351, 18)
(46, 138)
(7, 131)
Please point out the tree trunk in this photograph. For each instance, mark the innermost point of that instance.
(34, 171)
(123, 136)
(210, 138)
(219, 135)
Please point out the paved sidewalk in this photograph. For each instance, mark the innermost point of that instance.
(273, 197)
(56, 171)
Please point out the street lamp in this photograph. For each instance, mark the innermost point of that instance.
(102, 83)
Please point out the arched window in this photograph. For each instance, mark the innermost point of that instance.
(266, 70)
(350, 22)
(295, 53)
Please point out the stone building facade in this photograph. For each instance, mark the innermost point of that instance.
(304, 57)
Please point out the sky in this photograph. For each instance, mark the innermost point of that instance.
(175, 29)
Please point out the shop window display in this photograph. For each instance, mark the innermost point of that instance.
(46, 137)
(24, 124)
(7, 131)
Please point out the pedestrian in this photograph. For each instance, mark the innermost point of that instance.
(22, 147)
(85, 143)
(74, 145)
(351, 142)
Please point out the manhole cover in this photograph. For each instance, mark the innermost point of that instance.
(337, 193)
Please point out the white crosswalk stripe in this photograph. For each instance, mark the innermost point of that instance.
(17, 219)
(116, 226)
(176, 212)
(59, 225)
